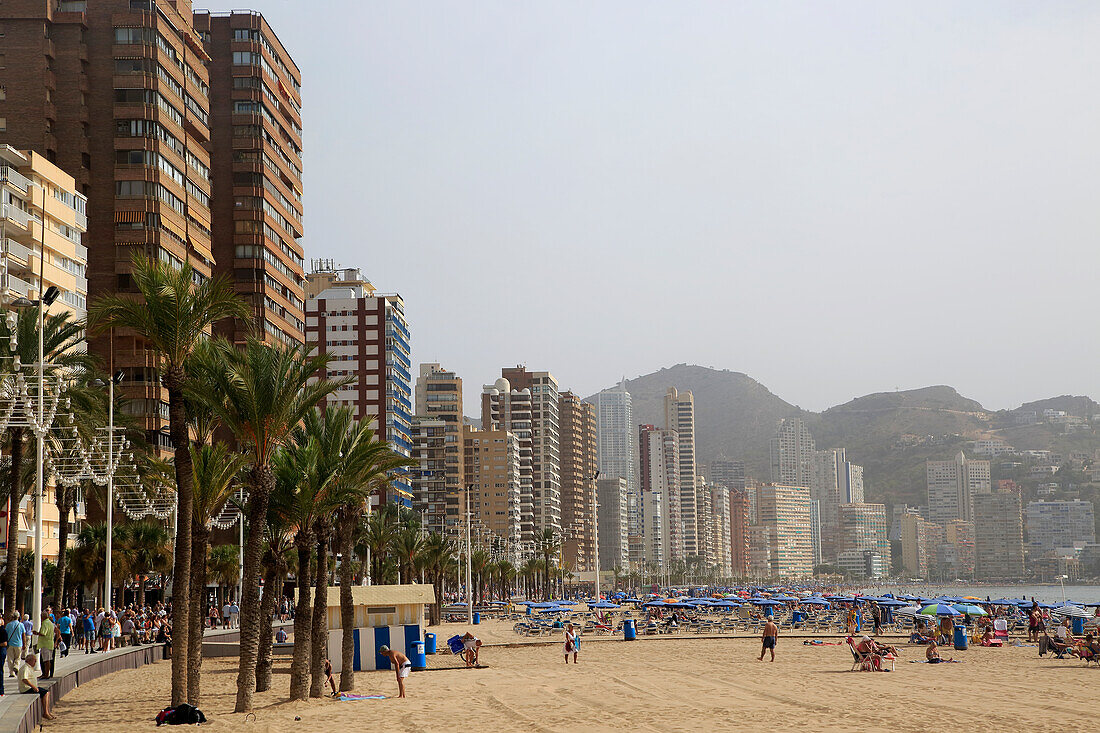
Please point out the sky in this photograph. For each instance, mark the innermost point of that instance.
(835, 198)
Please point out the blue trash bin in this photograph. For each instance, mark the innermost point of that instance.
(429, 643)
(768, 611)
(1078, 626)
(961, 639)
(416, 655)
(477, 618)
(630, 632)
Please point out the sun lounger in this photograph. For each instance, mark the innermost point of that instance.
(1000, 629)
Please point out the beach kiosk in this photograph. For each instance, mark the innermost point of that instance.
(385, 615)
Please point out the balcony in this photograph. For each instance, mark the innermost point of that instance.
(13, 284)
(15, 215)
(14, 178)
(17, 254)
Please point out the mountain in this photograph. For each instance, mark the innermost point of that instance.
(891, 434)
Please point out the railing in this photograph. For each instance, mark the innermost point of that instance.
(17, 285)
(17, 252)
(20, 217)
(72, 6)
(15, 178)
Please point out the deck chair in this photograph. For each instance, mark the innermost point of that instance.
(860, 662)
(1090, 656)
(1000, 629)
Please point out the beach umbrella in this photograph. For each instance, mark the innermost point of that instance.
(603, 604)
(555, 609)
(814, 601)
(1072, 612)
(727, 604)
(939, 609)
(1002, 602)
(909, 611)
(890, 603)
(654, 604)
(971, 609)
(785, 599)
(764, 602)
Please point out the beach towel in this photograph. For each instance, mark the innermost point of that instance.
(352, 697)
(942, 661)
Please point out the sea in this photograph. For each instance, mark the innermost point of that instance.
(1042, 593)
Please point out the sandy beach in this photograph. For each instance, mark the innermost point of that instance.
(650, 684)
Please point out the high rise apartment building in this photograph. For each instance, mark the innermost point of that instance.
(42, 218)
(368, 337)
(256, 172)
(720, 533)
(863, 527)
(437, 445)
(616, 438)
(999, 537)
(118, 93)
(612, 521)
(491, 466)
(791, 449)
(785, 511)
(659, 454)
(577, 432)
(1059, 525)
(505, 408)
(739, 533)
(680, 418)
(731, 474)
(959, 536)
(953, 486)
(545, 444)
(917, 545)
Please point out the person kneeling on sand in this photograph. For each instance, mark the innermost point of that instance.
(402, 666)
(28, 683)
(471, 648)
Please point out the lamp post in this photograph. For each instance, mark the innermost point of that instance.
(596, 530)
(469, 567)
(111, 464)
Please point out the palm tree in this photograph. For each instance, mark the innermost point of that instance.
(61, 335)
(278, 532)
(406, 546)
(549, 545)
(377, 537)
(145, 547)
(223, 565)
(215, 470)
(173, 314)
(439, 557)
(261, 394)
(479, 563)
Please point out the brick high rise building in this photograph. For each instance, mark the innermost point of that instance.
(577, 430)
(739, 533)
(491, 466)
(999, 537)
(437, 432)
(118, 94)
(256, 171)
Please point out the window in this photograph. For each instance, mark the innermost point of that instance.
(146, 5)
(246, 34)
(3, 124)
(127, 36)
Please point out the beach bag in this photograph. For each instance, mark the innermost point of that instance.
(185, 715)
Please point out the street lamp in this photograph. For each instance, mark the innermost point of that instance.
(110, 467)
(596, 530)
(469, 568)
(46, 300)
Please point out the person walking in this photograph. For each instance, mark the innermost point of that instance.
(65, 631)
(571, 644)
(768, 639)
(234, 615)
(46, 641)
(13, 635)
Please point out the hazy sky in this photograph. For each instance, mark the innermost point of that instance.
(835, 198)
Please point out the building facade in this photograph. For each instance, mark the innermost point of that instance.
(437, 444)
(42, 220)
(791, 449)
(659, 452)
(730, 474)
(953, 486)
(1059, 525)
(256, 171)
(721, 533)
(917, 545)
(577, 432)
(616, 438)
(545, 444)
(739, 533)
(491, 466)
(368, 337)
(508, 409)
(612, 520)
(680, 418)
(999, 537)
(785, 510)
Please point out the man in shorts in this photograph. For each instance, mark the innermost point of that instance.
(47, 639)
(768, 639)
(28, 683)
(13, 635)
(401, 664)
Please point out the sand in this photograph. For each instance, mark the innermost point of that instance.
(650, 684)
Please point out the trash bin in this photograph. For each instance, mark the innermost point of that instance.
(529, 612)
(630, 632)
(477, 618)
(797, 617)
(416, 655)
(1078, 626)
(768, 610)
(429, 643)
(961, 640)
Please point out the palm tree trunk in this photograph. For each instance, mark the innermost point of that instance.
(320, 610)
(261, 482)
(64, 504)
(185, 500)
(303, 623)
(15, 494)
(200, 537)
(344, 529)
(267, 608)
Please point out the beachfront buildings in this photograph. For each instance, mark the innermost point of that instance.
(1059, 525)
(728, 473)
(506, 409)
(953, 486)
(917, 548)
(659, 463)
(255, 172)
(680, 418)
(577, 431)
(120, 95)
(720, 542)
(437, 430)
(739, 533)
(785, 512)
(545, 444)
(792, 449)
(491, 463)
(42, 220)
(834, 480)
(999, 537)
(612, 518)
(368, 337)
(616, 438)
